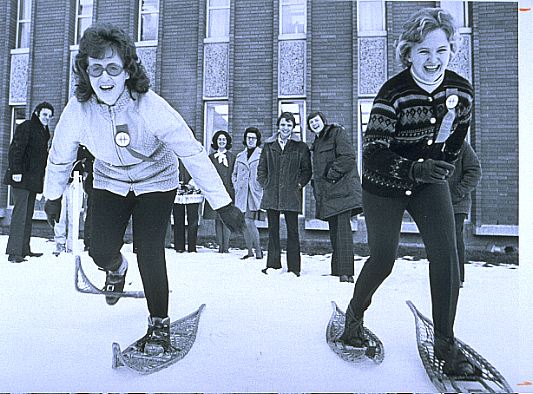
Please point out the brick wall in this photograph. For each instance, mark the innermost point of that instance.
(8, 13)
(495, 131)
(179, 63)
(49, 55)
(331, 60)
(251, 64)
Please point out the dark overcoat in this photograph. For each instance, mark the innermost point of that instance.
(225, 174)
(283, 173)
(28, 154)
(464, 179)
(336, 182)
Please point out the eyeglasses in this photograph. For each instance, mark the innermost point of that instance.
(251, 138)
(113, 69)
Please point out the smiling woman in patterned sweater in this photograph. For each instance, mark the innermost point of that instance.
(417, 125)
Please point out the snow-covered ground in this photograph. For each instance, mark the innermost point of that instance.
(258, 333)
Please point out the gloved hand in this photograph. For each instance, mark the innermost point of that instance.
(232, 217)
(52, 208)
(431, 171)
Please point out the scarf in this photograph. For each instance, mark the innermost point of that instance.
(222, 158)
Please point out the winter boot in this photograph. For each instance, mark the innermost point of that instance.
(60, 248)
(115, 280)
(455, 362)
(353, 334)
(157, 338)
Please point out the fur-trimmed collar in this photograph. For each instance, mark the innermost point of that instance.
(274, 137)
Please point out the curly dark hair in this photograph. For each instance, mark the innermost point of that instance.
(95, 42)
(43, 105)
(214, 142)
(252, 130)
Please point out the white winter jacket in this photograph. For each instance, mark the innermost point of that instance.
(134, 143)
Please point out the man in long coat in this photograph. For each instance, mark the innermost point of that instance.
(284, 169)
(27, 157)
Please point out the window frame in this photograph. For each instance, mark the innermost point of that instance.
(291, 36)
(209, 8)
(140, 20)
(77, 37)
(463, 27)
(23, 21)
(208, 134)
(302, 114)
(372, 33)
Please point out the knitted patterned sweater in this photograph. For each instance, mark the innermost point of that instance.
(404, 126)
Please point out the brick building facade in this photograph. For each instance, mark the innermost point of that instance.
(233, 64)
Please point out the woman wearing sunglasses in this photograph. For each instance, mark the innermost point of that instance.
(135, 136)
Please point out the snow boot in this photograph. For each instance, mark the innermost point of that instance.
(353, 334)
(157, 338)
(60, 248)
(115, 280)
(455, 362)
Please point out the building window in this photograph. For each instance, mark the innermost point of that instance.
(148, 20)
(297, 107)
(218, 15)
(23, 23)
(216, 117)
(293, 18)
(459, 11)
(370, 17)
(84, 17)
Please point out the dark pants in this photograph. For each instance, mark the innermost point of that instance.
(293, 240)
(459, 226)
(340, 234)
(179, 226)
(21, 222)
(150, 213)
(431, 209)
(88, 222)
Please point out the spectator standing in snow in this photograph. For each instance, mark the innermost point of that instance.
(27, 161)
(186, 234)
(248, 191)
(135, 136)
(337, 190)
(283, 171)
(462, 183)
(224, 161)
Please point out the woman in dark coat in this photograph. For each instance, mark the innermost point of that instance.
(284, 169)
(337, 190)
(224, 162)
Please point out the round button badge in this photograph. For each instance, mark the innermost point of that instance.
(122, 139)
(452, 101)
